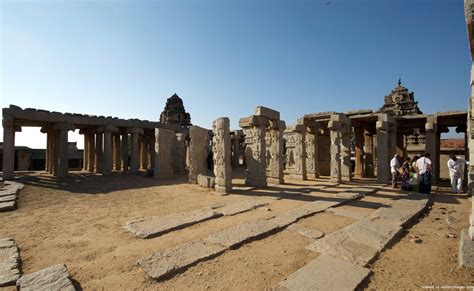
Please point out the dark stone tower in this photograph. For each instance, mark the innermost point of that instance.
(174, 112)
(400, 102)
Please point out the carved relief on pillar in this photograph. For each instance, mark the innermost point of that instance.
(274, 154)
(221, 155)
(296, 152)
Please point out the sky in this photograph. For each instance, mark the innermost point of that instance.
(224, 58)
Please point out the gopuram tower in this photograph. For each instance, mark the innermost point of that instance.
(174, 112)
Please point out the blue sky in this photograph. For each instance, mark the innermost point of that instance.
(124, 58)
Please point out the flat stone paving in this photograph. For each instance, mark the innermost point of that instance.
(307, 232)
(9, 195)
(53, 278)
(9, 262)
(325, 273)
(466, 250)
(346, 213)
(156, 226)
(163, 265)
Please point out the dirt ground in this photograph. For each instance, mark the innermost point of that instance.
(79, 221)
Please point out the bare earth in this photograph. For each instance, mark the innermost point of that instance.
(80, 221)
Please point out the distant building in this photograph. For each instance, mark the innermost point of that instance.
(174, 112)
(400, 102)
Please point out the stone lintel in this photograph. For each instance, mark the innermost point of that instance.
(107, 128)
(63, 126)
(254, 120)
(277, 124)
(267, 112)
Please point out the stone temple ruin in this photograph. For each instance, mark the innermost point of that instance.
(335, 146)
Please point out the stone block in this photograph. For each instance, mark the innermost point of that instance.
(325, 273)
(53, 278)
(198, 150)
(9, 262)
(239, 207)
(206, 181)
(267, 112)
(253, 120)
(466, 250)
(156, 226)
(307, 232)
(164, 264)
(7, 206)
(236, 235)
(163, 164)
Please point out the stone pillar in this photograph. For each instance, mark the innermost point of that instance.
(151, 152)
(134, 158)
(433, 145)
(221, 155)
(312, 152)
(359, 152)
(62, 161)
(8, 148)
(369, 154)
(386, 126)
(107, 153)
(275, 155)
(91, 152)
(117, 152)
(85, 153)
(254, 128)
(198, 148)
(163, 166)
(236, 137)
(125, 151)
(144, 152)
(296, 151)
(340, 133)
(99, 152)
(178, 152)
(324, 152)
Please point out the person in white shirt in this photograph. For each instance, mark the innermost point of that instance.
(394, 166)
(456, 172)
(423, 168)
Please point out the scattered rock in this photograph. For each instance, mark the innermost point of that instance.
(53, 278)
(451, 235)
(9, 262)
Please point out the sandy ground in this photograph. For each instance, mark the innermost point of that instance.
(79, 221)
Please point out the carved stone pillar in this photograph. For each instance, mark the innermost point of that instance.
(221, 155)
(117, 152)
(386, 143)
(62, 161)
(8, 147)
(254, 128)
(107, 154)
(163, 166)
(134, 158)
(312, 152)
(433, 145)
(296, 151)
(198, 148)
(359, 152)
(368, 154)
(125, 149)
(178, 152)
(275, 154)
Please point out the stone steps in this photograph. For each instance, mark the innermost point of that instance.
(163, 265)
(9, 195)
(157, 226)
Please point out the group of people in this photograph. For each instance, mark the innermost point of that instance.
(415, 173)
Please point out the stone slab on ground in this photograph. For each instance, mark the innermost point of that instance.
(466, 250)
(7, 206)
(239, 207)
(236, 235)
(401, 212)
(8, 198)
(156, 226)
(53, 278)
(9, 262)
(358, 243)
(325, 273)
(163, 264)
(346, 213)
(307, 232)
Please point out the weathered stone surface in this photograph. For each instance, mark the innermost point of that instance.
(346, 213)
(178, 152)
(325, 273)
(221, 149)
(275, 154)
(163, 166)
(198, 147)
(53, 278)
(9, 262)
(400, 212)
(239, 207)
(307, 232)
(296, 151)
(206, 181)
(357, 243)
(163, 264)
(157, 226)
(7, 206)
(466, 250)
(238, 234)
(255, 151)
(267, 112)
(7, 198)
